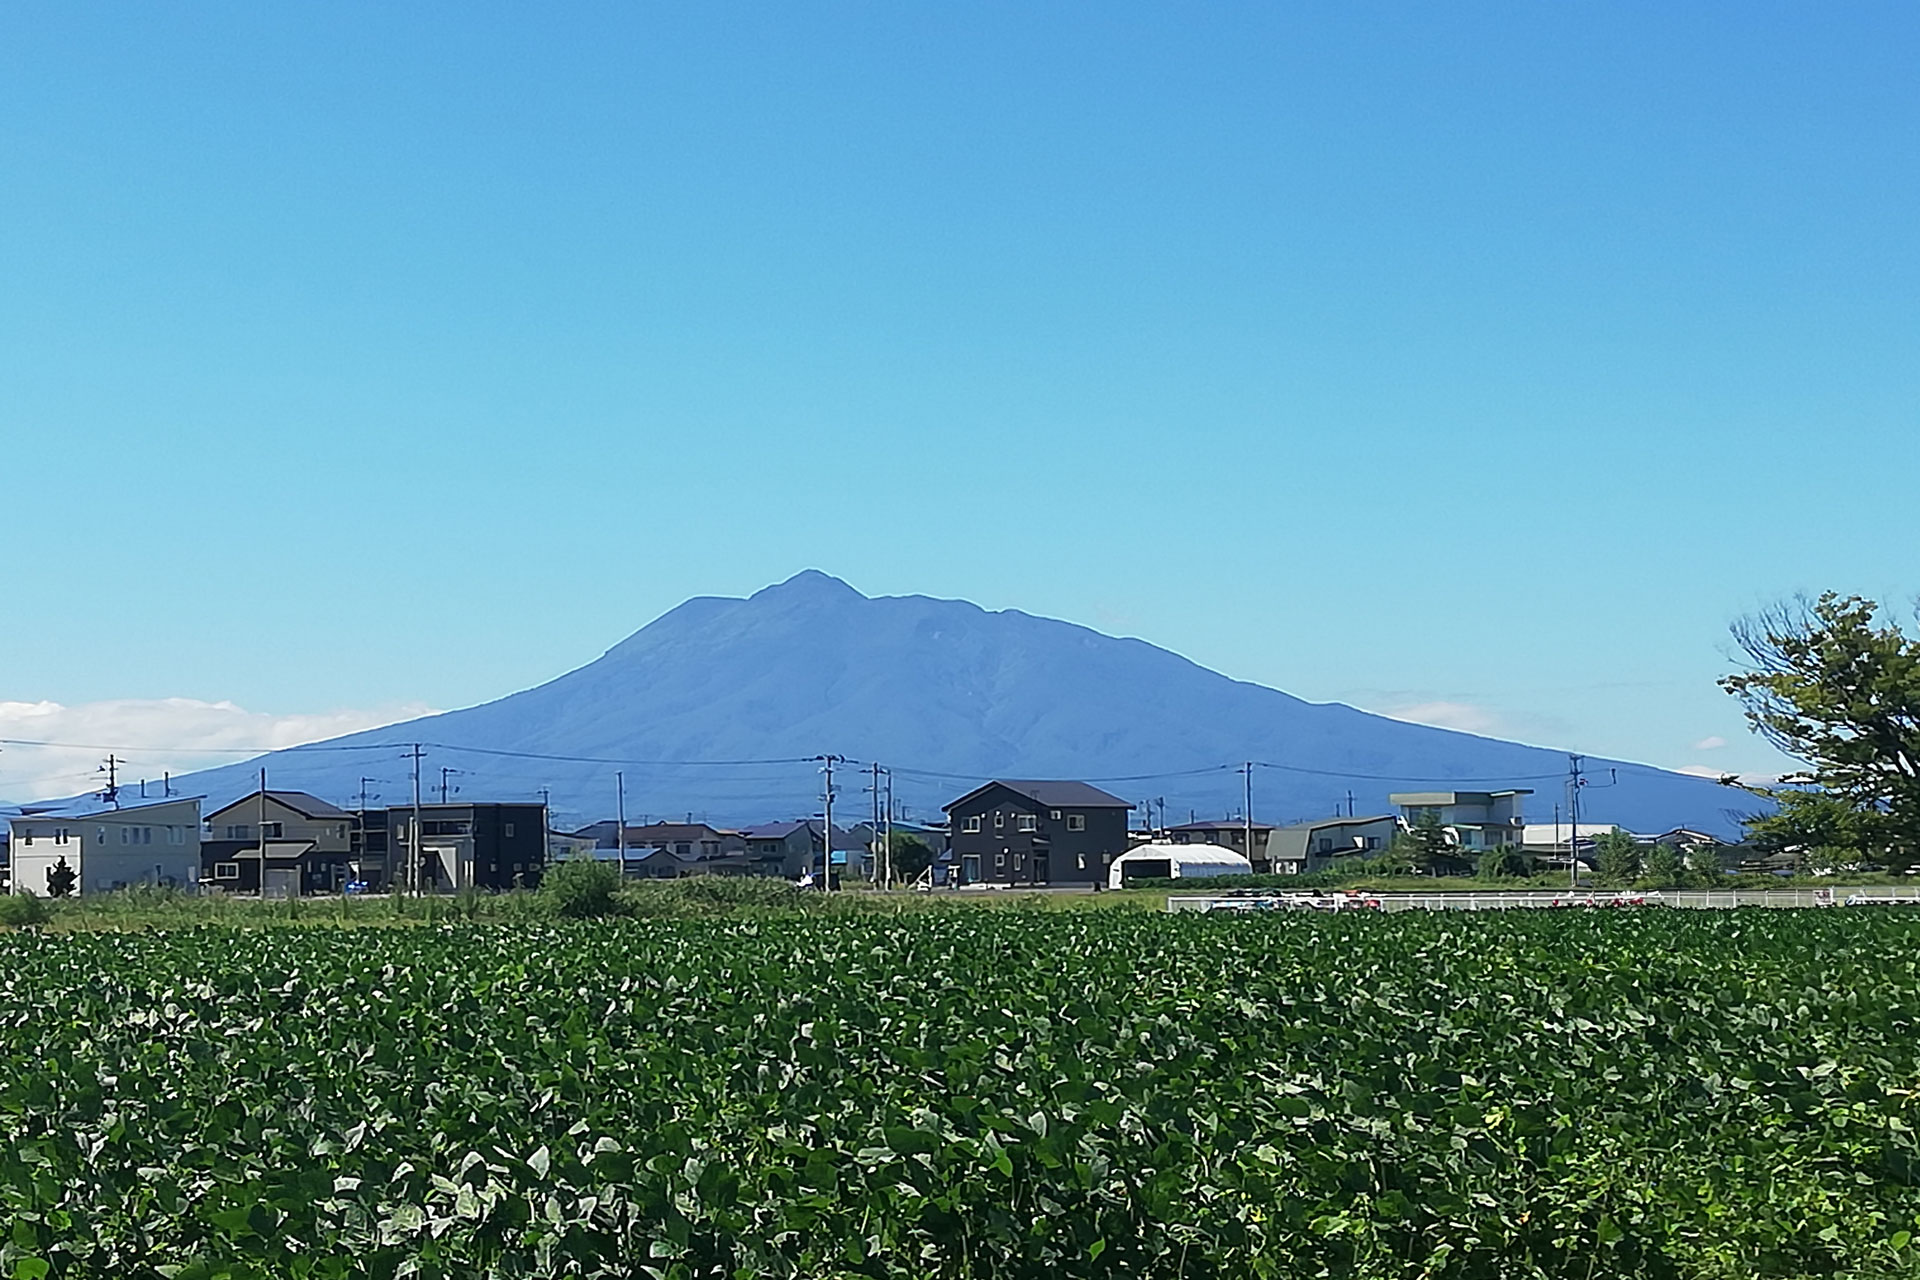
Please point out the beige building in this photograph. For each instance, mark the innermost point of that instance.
(97, 846)
(308, 843)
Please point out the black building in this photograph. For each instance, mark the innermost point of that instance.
(483, 846)
(1036, 833)
(369, 851)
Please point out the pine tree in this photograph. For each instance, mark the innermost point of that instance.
(60, 879)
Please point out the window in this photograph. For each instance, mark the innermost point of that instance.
(1000, 861)
(126, 835)
(1373, 842)
(1326, 844)
(999, 819)
(507, 830)
(1076, 822)
(1056, 815)
(59, 836)
(972, 824)
(1028, 822)
(1019, 862)
(1080, 861)
(683, 849)
(226, 871)
(28, 838)
(271, 830)
(240, 831)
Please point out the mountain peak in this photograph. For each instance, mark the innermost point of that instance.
(810, 584)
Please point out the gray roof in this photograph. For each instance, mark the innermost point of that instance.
(1319, 823)
(94, 807)
(1222, 824)
(1053, 794)
(307, 806)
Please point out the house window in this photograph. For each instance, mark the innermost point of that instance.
(1080, 861)
(1028, 822)
(970, 825)
(1373, 842)
(226, 871)
(508, 829)
(271, 830)
(999, 819)
(59, 836)
(1000, 861)
(683, 849)
(126, 835)
(1019, 862)
(1326, 844)
(1076, 822)
(1056, 815)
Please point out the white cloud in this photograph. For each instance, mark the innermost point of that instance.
(1464, 716)
(153, 737)
(1713, 743)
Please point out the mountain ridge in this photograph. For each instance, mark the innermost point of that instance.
(947, 694)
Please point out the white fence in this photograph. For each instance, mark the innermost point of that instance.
(1496, 900)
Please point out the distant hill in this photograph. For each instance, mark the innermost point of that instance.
(718, 707)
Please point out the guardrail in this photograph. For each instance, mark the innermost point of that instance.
(1510, 900)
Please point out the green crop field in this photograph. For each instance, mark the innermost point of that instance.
(967, 1093)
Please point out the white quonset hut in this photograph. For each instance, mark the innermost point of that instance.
(1175, 862)
(97, 845)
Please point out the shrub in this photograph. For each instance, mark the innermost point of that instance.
(579, 889)
(18, 910)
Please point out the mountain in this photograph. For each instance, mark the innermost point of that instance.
(717, 709)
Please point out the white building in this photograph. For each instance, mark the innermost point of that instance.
(106, 845)
(1175, 862)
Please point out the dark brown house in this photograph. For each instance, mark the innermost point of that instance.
(1011, 832)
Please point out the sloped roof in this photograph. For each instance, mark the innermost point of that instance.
(93, 806)
(1051, 794)
(301, 802)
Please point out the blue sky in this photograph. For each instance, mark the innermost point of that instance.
(1477, 363)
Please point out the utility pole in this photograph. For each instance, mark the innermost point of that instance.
(1349, 803)
(1574, 783)
(112, 769)
(873, 839)
(413, 845)
(363, 795)
(1246, 811)
(620, 818)
(445, 772)
(263, 835)
(886, 840)
(826, 836)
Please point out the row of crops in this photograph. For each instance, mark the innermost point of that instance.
(968, 1093)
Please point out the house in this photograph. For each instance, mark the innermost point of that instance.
(100, 844)
(791, 849)
(1327, 842)
(473, 845)
(309, 845)
(368, 857)
(1547, 841)
(1227, 833)
(1036, 832)
(688, 841)
(1475, 820)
